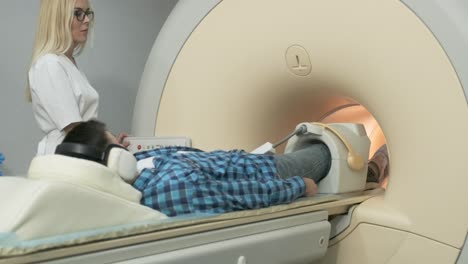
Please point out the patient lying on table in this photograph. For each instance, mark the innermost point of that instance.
(182, 180)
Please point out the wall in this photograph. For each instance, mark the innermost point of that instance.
(124, 34)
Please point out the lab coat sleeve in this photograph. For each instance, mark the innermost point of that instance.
(53, 88)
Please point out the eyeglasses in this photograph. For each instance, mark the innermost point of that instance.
(80, 14)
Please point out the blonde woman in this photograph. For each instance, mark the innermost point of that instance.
(60, 93)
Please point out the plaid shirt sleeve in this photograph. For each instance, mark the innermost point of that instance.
(213, 182)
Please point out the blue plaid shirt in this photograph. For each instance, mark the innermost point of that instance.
(187, 180)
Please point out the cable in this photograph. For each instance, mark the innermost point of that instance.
(301, 130)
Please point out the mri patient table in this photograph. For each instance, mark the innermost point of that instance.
(298, 232)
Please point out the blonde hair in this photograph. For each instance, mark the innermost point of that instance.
(53, 33)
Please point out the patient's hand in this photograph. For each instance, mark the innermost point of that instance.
(311, 187)
(121, 139)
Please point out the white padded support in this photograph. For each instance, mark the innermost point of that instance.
(33, 209)
(123, 163)
(82, 172)
(64, 195)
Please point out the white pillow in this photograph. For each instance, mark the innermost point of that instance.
(82, 172)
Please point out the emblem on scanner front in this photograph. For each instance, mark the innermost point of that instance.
(298, 60)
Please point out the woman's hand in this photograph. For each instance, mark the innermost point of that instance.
(121, 139)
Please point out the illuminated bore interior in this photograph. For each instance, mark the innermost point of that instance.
(336, 109)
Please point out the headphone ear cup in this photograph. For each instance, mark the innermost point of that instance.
(355, 161)
(122, 162)
(78, 150)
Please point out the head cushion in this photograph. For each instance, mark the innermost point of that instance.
(82, 172)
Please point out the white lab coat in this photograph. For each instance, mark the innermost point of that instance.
(61, 95)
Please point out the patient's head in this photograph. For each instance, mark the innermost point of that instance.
(88, 140)
(91, 141)
(92, 133)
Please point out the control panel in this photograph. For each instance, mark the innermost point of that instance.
(146, 143)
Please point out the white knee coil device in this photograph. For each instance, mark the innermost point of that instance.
(349, 148)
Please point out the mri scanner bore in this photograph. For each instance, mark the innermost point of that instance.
(182, 180)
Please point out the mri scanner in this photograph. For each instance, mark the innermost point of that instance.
(236, 73)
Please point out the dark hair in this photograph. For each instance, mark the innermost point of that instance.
(91, 132)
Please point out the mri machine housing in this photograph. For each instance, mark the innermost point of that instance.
(234, 74)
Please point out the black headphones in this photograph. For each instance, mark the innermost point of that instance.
(87, 152)
(117, 158)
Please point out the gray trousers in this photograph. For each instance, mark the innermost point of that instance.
(312, 161)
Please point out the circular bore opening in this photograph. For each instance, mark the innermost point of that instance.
(345, 110)
(333, 108)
